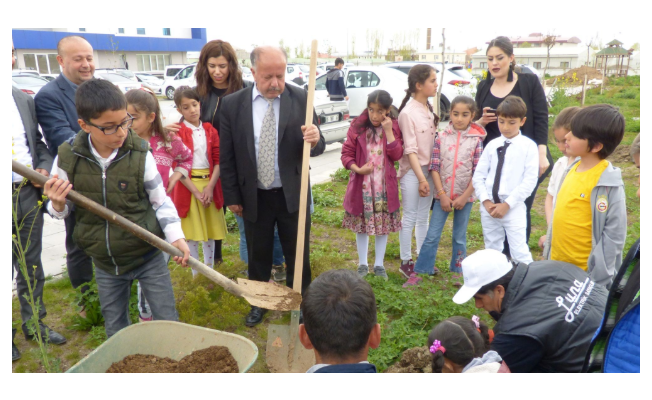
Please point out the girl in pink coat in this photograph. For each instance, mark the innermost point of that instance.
(371, 202)
(454, 158)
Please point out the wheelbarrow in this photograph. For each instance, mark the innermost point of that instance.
(165, 339)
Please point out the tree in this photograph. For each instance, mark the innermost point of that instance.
(526, 45)
(636, 47)
(549, 41)
(282, 45)
(589, 43)
(300, 50)
(353, 46)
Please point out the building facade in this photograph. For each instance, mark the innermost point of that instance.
(434, 55)
(562, 58)
(137, 49)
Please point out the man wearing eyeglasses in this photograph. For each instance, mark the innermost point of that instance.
(55, 109)
(28, 149)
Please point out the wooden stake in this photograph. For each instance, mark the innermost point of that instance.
(584, 89)
(443, 69)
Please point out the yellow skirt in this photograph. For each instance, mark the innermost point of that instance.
(202, 224)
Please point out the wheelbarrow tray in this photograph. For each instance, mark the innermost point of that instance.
(165, 339)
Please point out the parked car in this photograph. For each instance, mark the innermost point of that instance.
(246, 73)
(49, 77)
(293, 73)
(124, 84)
(172, 70)
(29, 83)
(328, 66)
(120, 71)
(184, 77)
(528, 69)
(453, 86)
(25, 72)
(151, 82)
(459, 70)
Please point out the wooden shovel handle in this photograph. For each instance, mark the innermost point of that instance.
(129, 226)
(305, 174)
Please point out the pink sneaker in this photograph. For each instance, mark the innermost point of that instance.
(413, 280)
(150, 318)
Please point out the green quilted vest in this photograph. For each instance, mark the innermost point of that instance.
(121, 189)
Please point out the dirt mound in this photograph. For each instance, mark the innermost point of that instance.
(591, 73)
(620, 155)
(214, 359)
(414, 360)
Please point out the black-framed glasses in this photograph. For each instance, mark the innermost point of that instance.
(110, 130)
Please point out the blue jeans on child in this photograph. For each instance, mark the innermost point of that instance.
(426, 262)
(115, 290)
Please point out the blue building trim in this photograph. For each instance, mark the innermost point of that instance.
(47, 40)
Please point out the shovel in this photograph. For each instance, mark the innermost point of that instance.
(285, 353)
(260, 294)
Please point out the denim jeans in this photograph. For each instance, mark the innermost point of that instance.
(115, 290)
(244, 255)
(426, 262)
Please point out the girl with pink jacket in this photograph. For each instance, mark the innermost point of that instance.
(371, 203)
(455, 155)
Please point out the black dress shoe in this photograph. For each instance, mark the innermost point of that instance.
(47, 334)
(255, 316)
(15, 354)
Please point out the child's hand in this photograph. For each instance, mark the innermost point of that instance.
(171, 183)
(424, 188)
(542, 241)
(460, 202)
(366, 169)
(445, 203)
(489, 206)
(500, 210)
(56, 190)
(199, 195)
(387, 124)
(183, 246)
(208, 196)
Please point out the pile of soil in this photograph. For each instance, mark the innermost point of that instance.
(414, 360)
(620, 155)
(214, 359)
(579, 75)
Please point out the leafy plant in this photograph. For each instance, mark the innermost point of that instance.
(20, 251)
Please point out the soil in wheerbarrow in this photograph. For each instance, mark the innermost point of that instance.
(214, 359)
(414, 360)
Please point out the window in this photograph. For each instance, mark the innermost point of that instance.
(423, 57)
(483, 65)
(140, 31)
(166, 31)
(186, 73)
(537, 65)
(564, 64)
(152, 62)
(320, 83)
(290, 70)
(362, 79)
(43, 63)
(121, 30)
(82, 29)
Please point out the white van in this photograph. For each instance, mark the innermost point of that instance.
(185, 76)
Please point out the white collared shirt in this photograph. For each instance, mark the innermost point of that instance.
(259, 108)
(19, 146)
(199, 142)
(518, 176)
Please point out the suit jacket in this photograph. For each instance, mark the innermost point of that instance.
(41, 157)
(56, 112)
(238, 166)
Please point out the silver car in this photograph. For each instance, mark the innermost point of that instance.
(151, 82)
(124, 84)
(29, 83)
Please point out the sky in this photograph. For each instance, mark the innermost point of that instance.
(456, 37)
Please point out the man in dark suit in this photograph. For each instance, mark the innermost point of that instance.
(56, 112)
(28, 149)
(261, 148)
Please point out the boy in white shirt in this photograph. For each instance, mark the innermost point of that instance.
(560, 128)
(504, 177)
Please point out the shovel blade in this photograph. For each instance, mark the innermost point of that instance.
(281, 345)
(270, 296)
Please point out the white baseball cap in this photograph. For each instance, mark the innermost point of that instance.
(479, 269)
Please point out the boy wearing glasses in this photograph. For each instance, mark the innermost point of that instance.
(112, 166)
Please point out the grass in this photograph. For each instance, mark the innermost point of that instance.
(406, 316)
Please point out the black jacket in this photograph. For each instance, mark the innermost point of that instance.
(210, 107)
(536, 124)
(238, 166)
(556, 304)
